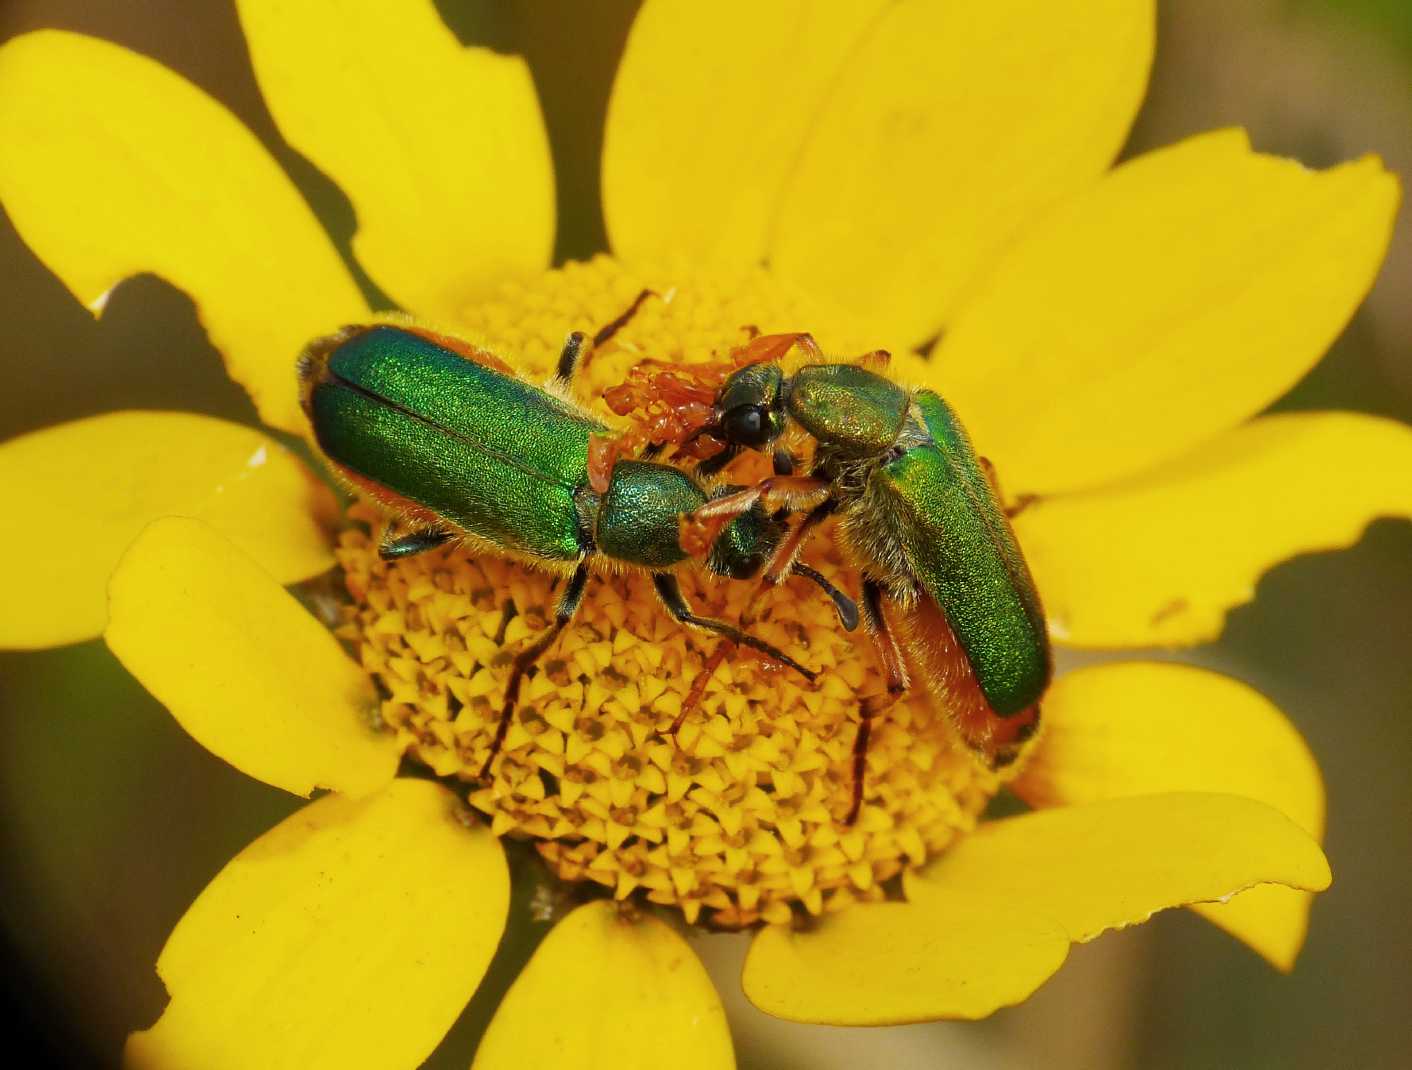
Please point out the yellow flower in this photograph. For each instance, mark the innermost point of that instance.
(878, 174)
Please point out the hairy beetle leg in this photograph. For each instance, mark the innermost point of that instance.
(894, 671)
(769, 348)
(569, 357)
(700, 529)
(698, 687)
(669, 591)
(782, 564)
(578, 353)
(415, 542)
(615, 325)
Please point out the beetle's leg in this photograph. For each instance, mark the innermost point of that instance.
(1018, 506)
(569, 357)
(576, 347)
(991, 476)
(701, 528)
(614, 326)
(768, 348)
(414, 542)
(889, 652)
(669, 591)
(1010, 509)
(895, 672)
(603, 454)
(698, 686)
(876, 361)
(782, 560)
(795, 493)
(847, 608)
(605, 451)
(785, 562)
(773, 575)
(508, 612)
(563, 613)
(712, 465)
(712, 663)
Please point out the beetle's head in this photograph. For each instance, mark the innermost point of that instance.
(749, 409)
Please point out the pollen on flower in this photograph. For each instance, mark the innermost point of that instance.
(741, 816)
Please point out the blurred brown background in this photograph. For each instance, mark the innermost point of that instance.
(114, 820)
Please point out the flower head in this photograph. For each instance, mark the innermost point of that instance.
(739, 815)
(1107, 336)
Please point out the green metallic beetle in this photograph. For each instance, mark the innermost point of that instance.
(461, 448)
(918, 516)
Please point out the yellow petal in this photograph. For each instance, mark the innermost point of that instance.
(1110, 864)
(1148, 727)
(440, 148)
(708, 114)
(894, 149)
(114, 166)
(79, 493)
(351, 934)
(606, 992)
(1270, 920)
(1183, 293)
(944, 954)
(1160, 559)
(246, 671)
(940, 140)
(1142, 728)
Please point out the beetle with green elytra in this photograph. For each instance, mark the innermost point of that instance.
(460, 448)
(946, 594)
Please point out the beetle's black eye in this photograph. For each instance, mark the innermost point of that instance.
(746, 425)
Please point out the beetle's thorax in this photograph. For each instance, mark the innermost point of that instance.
(848, 409)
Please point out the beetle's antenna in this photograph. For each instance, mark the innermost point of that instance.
(609, 329)
(847, 608)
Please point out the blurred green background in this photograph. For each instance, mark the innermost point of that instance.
(114, 820)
